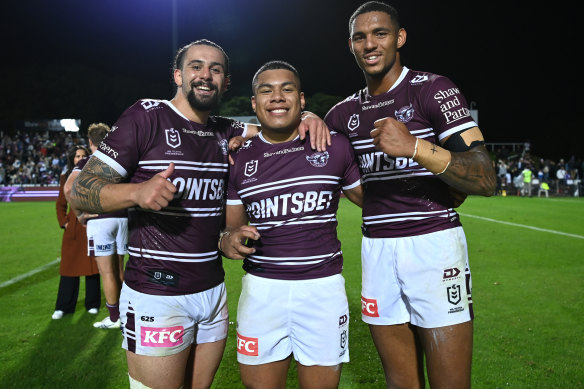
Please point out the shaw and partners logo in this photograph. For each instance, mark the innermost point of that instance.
(172, 137)
(162, 337)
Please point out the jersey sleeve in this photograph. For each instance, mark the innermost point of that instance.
(447, 108)
(232, 195)
(121, 147)
(334, 119)
(351, 176)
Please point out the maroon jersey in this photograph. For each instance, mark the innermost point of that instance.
(291, 195)
(173, 251)
(121, 213)
(401, 197)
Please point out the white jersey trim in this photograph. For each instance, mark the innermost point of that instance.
(287, 261)
(399, 217)
(172, 256)
(111, 163)
(310, 219)
(306, 180)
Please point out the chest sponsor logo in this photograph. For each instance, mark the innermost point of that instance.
(247, 346)
(369, 307)
(290, 203)
(162, 337)
(251, 168)
(318, 159)
(353, 122)
(198, 188)
(454, 295)
(172, 137)
(405, 114)
(379, 161)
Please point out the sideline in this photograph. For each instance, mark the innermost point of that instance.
(30, 273)
(524, 226)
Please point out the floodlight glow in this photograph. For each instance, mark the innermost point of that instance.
(69, 125)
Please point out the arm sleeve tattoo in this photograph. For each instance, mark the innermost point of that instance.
(87, 188)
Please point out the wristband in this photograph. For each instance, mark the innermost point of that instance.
(415, 148)
(221, 236)
(433, 157)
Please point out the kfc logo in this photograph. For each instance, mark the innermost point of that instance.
(369, 307)
(162, 337)
(247, 346)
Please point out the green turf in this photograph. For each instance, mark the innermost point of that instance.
(527, 288)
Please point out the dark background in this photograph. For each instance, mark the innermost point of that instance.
(91, 59)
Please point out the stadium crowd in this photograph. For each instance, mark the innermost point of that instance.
(39, 158)
(35, 157)
(515, 168)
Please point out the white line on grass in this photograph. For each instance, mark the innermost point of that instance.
(524, 226)
(30, 273)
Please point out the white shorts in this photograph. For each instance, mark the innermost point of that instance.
(307, 318)
(107, 236)
(165, 325)
(424, 280)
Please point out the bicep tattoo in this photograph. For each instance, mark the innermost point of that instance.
(89, 184)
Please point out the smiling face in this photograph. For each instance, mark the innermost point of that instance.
(202, 78)
(374, 41)
(278, 103)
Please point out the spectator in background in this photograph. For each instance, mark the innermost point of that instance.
(74, 259)
(527, 177)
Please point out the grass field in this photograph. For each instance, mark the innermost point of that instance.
(527, 261)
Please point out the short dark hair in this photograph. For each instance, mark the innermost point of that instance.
(180, 54)
(274, 65)
(375, 6)
(96, 132)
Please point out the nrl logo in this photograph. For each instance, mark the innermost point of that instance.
(454, 295)
(172, 138)
(318, 159)
(353, 122)
(251, 167)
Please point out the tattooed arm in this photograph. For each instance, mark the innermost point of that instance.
(469, 171)
(99, 189)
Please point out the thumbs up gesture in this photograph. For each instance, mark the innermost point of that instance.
(157, 192)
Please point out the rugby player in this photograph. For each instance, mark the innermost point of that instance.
(293, 302)
(418, 149)
(107, 238)
(167, 162)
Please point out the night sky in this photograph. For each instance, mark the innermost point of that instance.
(92, 59)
